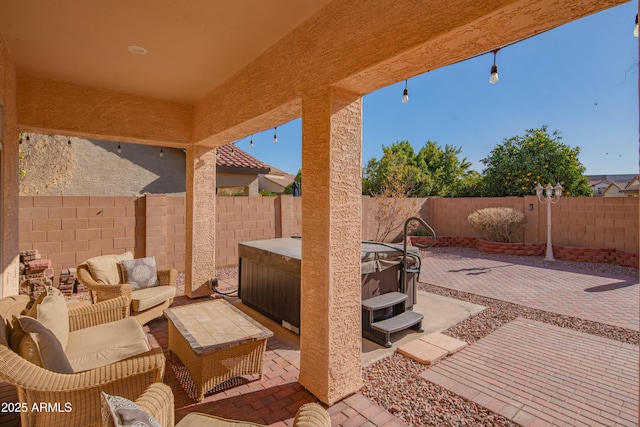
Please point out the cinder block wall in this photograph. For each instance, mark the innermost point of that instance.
(591, 222)
(410, 206)
(241, 219)
(69, 229)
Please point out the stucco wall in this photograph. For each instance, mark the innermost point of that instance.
(234, 180)
(95, 168)
(9, 180)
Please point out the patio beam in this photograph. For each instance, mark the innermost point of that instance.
(88, 112)
(330, 329)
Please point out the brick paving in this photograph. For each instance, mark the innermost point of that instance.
(606, 298)
(272, 400)
(538, 374)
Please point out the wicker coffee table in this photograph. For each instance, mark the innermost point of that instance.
(216, 342)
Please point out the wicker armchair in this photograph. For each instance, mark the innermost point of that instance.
(101, 292)
(73, 399)
(157, 401)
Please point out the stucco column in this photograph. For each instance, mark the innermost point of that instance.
(330, 340)
(200, 221)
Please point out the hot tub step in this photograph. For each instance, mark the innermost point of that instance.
(383, 301)
(381, 331)
(398, 323)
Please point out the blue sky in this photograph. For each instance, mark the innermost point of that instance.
(581, 79)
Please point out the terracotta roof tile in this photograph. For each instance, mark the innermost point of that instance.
(231, 156)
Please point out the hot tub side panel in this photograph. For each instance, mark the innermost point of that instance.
(270, 284)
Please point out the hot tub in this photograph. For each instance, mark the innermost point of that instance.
(269, 275)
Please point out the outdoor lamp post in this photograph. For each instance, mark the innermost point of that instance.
(549, 198)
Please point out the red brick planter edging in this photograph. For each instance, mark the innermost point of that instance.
(569, 253)
(521, 249)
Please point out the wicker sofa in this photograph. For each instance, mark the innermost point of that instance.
(146, 304)
(72, 398)
(158, 401)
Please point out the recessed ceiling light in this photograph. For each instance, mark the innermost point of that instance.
(138, 50)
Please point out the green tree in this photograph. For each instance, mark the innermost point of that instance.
(289, 188)
(433, 171)
(516, 166)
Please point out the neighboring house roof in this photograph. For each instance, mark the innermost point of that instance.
(632, 186)
(611, 177)
(628, 187)
(230, 158)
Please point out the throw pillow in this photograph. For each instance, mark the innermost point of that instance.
(53, 313)
(104, 269)
(125, 413)
(140, 273)
(51, 351)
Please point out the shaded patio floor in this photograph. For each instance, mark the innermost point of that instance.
(272, 400)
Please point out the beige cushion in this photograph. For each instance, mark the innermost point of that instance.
(123, 413)
(143, 299)
(105, 269)
(53, 313)
(140, 273)
(104, 344)
(51, 352)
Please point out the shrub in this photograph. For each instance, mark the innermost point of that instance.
(497, 224)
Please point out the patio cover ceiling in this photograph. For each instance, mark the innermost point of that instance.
(217, 71)
(193, 46)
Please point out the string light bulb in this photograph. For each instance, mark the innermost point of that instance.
(69, 141)
(635, 29)
(405, 94)
(233, 150)
(251, 142)
(275, 135)
(494, 69)
(162, 152)
(119, 150)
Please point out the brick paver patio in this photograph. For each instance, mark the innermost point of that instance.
(538, 374)
(605, 298)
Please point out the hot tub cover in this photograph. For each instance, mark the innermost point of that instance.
(375, 256)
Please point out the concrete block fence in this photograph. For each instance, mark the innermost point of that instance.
(69, 229)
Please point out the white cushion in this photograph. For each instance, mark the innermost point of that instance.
(140, 273)
(104, 344)
(142, 299)
(125, 413)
